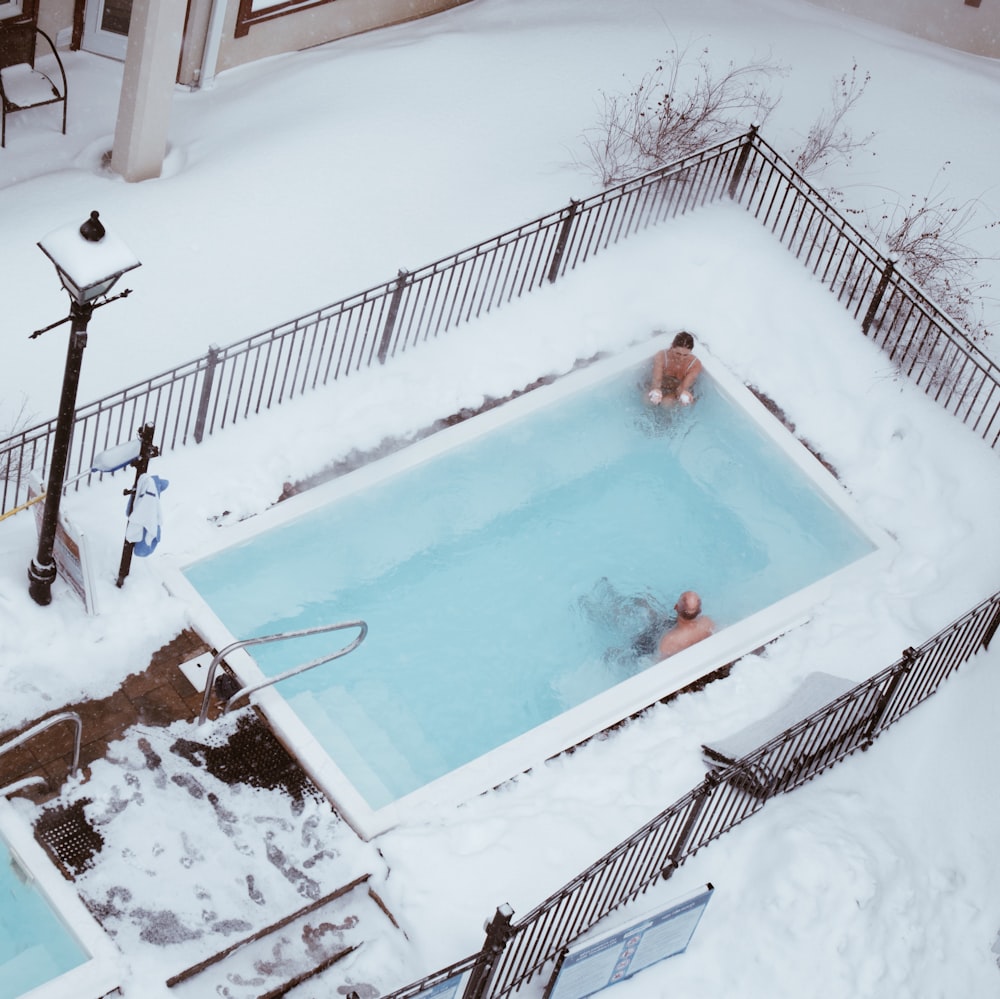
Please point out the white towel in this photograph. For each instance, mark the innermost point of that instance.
(144, 517)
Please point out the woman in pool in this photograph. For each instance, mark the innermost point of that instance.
(674, 373)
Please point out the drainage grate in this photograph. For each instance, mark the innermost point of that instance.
(68, 837)
(252, 755)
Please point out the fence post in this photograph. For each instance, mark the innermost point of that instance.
(906, 663)
(211, 360)
(498, 932)
(147, 450)
(992, 629)
(708, 786)
(741, 162)
(563, 241)
(883, 283)
(390, 319)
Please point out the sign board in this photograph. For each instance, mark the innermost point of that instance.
(69, 551)
(600, 961)
(451, 989)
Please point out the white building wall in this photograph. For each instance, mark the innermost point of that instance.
(954, 23)
(317, 25)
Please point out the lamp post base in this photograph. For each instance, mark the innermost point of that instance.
(40, 580)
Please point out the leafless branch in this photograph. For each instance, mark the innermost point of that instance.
(828, 139)
(681, 106)
(931, 237)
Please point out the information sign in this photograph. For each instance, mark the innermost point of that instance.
(451, 989)
(69, 552)
(599, 961)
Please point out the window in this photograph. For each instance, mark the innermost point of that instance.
(11, 8)
(254, 11)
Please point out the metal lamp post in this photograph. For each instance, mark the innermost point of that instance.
(89, 261)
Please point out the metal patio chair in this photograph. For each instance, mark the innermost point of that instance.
(26, 81)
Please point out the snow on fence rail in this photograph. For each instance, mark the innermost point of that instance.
(232, 383)
(515, 952)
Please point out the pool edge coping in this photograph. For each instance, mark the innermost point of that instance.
(103, 971)
(587, 719)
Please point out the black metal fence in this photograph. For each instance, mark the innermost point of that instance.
(232, 383)
(514, 953)
(924, 343)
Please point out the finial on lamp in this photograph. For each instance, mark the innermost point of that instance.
(92, 230)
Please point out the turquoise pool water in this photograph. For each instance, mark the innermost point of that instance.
(498, 578)
(35, 946)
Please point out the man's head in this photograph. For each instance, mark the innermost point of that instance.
(683, 339)
(688, 605)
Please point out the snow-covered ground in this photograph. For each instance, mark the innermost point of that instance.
(301, 180)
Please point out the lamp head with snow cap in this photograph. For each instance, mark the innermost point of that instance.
(88, 259)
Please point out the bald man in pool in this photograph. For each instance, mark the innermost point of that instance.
(691, 627)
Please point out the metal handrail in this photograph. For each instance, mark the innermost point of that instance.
(47, 723)
(244, 642)
(21, 785)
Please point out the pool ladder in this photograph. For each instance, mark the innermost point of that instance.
(244, 642)
(20, 740)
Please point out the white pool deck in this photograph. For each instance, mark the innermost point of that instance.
(586, 719)
(103, 970)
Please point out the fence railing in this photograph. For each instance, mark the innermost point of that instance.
(515, 952)
(232, 383)
(924, 343)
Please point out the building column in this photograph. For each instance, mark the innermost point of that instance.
(156, 32)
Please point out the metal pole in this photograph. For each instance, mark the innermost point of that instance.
(561, 243)
(498, 932)
(42, 570)
(880, 289)
(906, 663)
(147, 450)
(390, 319)
(748, 140)
(211, 361)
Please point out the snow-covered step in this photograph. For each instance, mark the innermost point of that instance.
(295, 949)
(379, 966)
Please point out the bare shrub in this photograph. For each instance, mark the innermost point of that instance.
(685, 104)
(678, 108)
(829, 139)
(930, 237)
(10, 445)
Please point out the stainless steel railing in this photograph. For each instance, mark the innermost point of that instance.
(245, 642)
(20, 740)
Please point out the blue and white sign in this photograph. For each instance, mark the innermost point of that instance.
(451, 989)
(597, 962)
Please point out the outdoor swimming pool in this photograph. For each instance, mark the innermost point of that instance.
(497, 566)
(34, 945)
(39, 952)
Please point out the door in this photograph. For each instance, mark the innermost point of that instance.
(105, 27)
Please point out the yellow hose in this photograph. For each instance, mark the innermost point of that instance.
(23, 506)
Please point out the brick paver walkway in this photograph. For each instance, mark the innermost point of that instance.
(160, 695)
